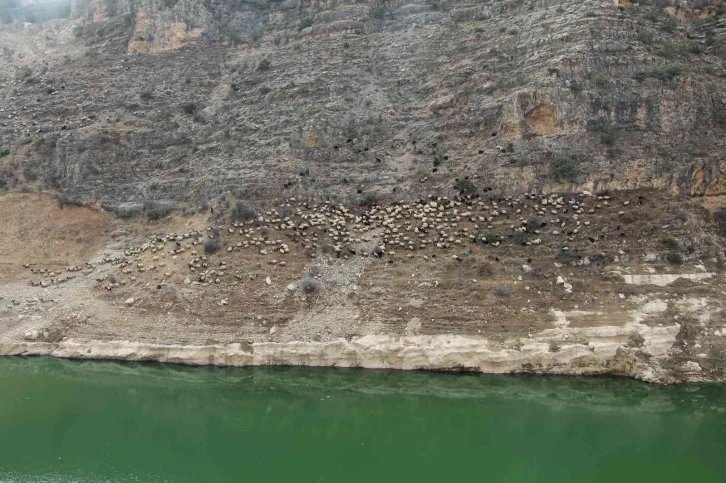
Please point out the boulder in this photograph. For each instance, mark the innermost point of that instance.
(32, 334)
(128, 210)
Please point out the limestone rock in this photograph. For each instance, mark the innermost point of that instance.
(32, 334)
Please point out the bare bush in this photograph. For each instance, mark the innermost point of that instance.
(211, 246)
(310, 285)
(501, 291)
(242, 212)
(484, 268)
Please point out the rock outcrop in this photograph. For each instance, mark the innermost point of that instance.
(603, 354)
(185, 100)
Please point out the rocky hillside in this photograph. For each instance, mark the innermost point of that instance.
(176, 102)
(496, 186)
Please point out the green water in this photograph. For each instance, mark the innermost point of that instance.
(63, 421)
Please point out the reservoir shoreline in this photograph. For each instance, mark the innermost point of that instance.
(430, 353)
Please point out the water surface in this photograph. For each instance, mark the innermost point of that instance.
(67, 421)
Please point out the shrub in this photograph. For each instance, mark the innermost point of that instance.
(264, 65)
(599, 259)
(155, 210)
(129, 19)
(719, 114)
(563, 168)
(309, 285)
(669, 24)
(465, 187)
(646, 36)
(681, 48)
(534, 224)
(506, 81)
(305, 23)
(609, 133)
(720, 216)
(233, 37)
(674, 257)
(501, 291)
(492, 237)
(368, 201)
(484, 268)
(650, 228)
(568, 256)
(717, 45)
(211, 246)
(242, 212)
(4, 151)
(146, 95)
(662, 72)
(682, 215)
(379, 12)
(421, 172)
(68, 200)
(605, 192)
(258, 33)
(189, 108)
(670, 242)
(286, 212)
(522, 237)
(30, 173)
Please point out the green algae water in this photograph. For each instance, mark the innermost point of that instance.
(66, 421)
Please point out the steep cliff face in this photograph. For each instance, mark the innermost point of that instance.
(140, 100)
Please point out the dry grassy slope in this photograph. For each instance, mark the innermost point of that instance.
(35, 228)
(484, 293)
(500, 92)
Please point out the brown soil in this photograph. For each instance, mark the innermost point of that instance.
(37, 231)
